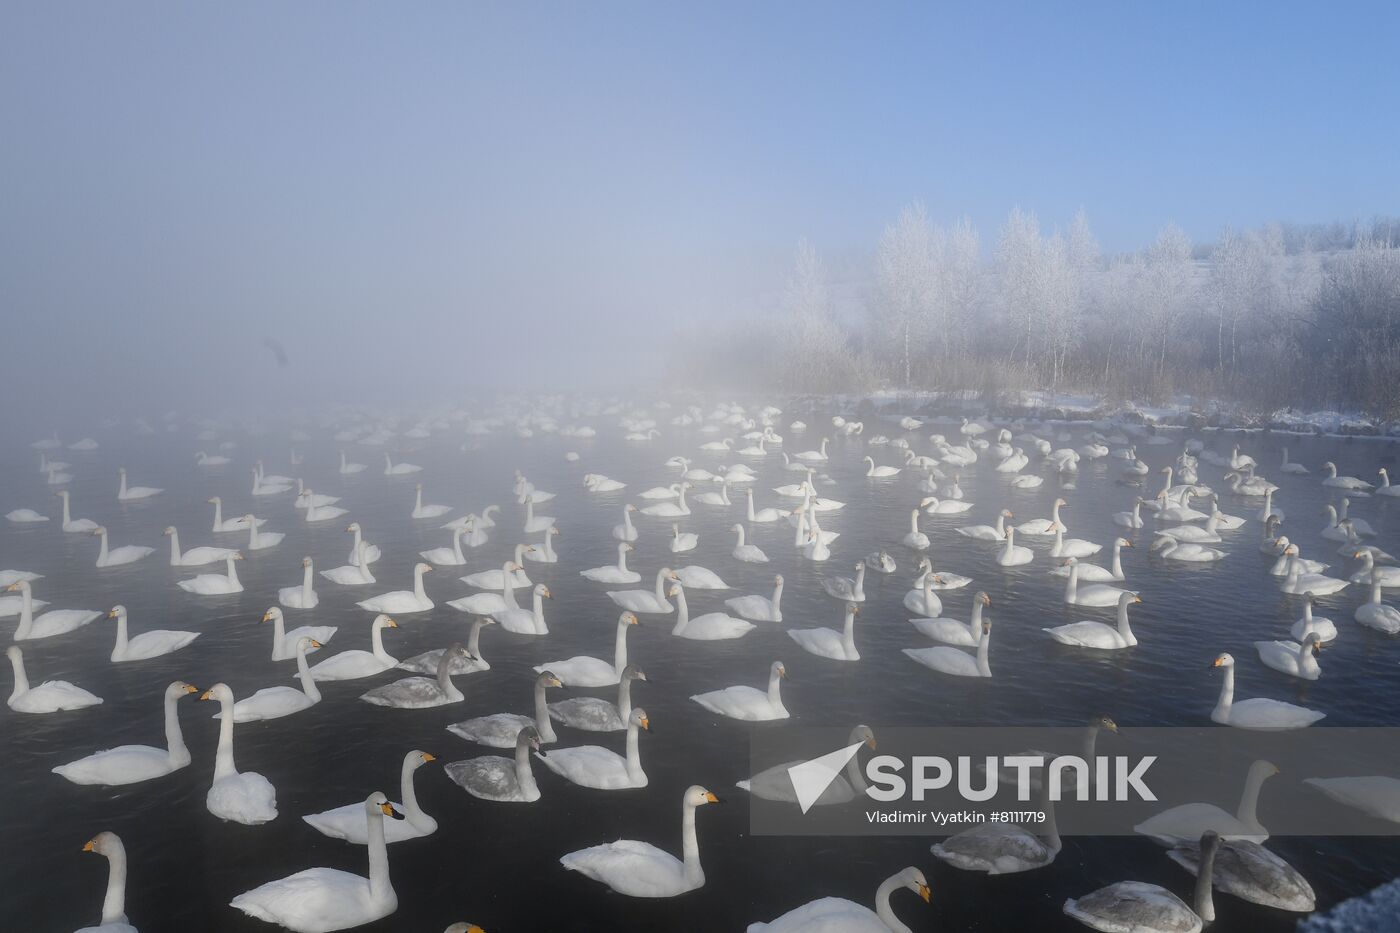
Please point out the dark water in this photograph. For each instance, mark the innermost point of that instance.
(497, 864)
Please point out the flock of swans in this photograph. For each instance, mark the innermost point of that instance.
(727, 469)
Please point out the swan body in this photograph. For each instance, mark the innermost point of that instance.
(1343, 482)
(838, 915)
(609, 573)
(775, 783)
(1257, 713)
(1186, 822)
(1292, 658)
(1376, 614)
(698, 578)
(450, 556)
(645, 601)
(712, 626)
(1325, 628)
(421, 692)
(1376, 795)
(51, 623)
(118, 556)
(152, 644)
(1297, 582)
(426, 511)
(682, 541)
(25, 516)
(593, 714)
(955, 661)
(276, 702)
(640, 869)
(109, 845)
(350, 823)
(195, 556)
(1097, 634)
(951, 631)
(526, 621)
(303, 596)
(215, 584)
(759, 608)
(496, 579)
(321, 899)
(829, 643)
(470, 661)
(600, 768)
(399, 469)
(748, 553)
(75, 525)
(127, 493)
(995, 532)
(1044, 527)
(1091, 594)
(1174, 549)
(357, 663)
(748, 703)
(499, 730)
(402, 601)
(285, 644)
(498, 779)
(585, 671)
(1012, 554)
(1139, 907)
(239, 797)
(131, 764)
(915, 539)
(923, 601)
(51, 696)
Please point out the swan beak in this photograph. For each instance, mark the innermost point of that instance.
(207, 695)
(645, 723)
(986, 600)
(428, 756)
(925, 893)
(871, 742)
(316, 644)
(12, 587)
(90, 845)
(191, 688)
(1317, 649)
(555, 682)
(111, 613)
(389, 811)
(390, 623)
(267, 616)
(631, 619)
(1215, 663)
(711, 798)
(782, 672)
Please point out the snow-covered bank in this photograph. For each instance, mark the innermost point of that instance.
(1377, 912)
(1182, 411)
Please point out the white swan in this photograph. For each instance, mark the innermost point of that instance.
(1139, 907)
(955, 661)
(610, 573)
(1386, 576)
(421, 692)
(669, 509)
(682, 541)
(526, 621)
(586, 671)
(450, 556)
(321, 513)
(951, 631)
(646, 601)
(1297, 582)
(593, 714)
(195, 556)
(152, 644)
(1257, 713)
(496, 579)
(302, 596)
(601, 768)
(499, 730)
(748, 553)
(25, 516)
(995, 532)
(1044, 527)
(597, 482)
(762, 516)
(284, 643)
(1186, 822)
(640, 869)
(1093, 573)
(357, 663)
(259, 540)
(1342, 482)
(829, 643)
(398, 469)
(1174, 549)
(53, 622)
(747, 703)
(222, 525)
(321, 899)
(1000, 848)
(923, 601)
(479, 603)
(116, 557)
(1376, 795)
(131, 764)
(915, 539)
(1072, 547)
(349, 469)
(240, 797)
(1090, 594)
(838, 915)
(215, 584)
(698, 578)
(1012, 554)
(72, 525)
(626, 531)
(759, 608)
(349, 822)
(1132, 519)
(109, 845)
(775, 783)
(1291, 657)
(371, 551)
(127, 493)
(492, 777)
(1377, 615)
(711, 626)
(544, 554)
(1098, 634)
(1325, 628)
(402, 601)
(276, 702)
(535, 523)
(51, 696)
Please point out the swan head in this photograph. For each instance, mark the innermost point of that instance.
(20, 586)
(542, 590)
(480, 620)
(377, 801)
(864, 734)
(384, 621)
(1007, 513)
(1103, 722)
(1127, 598)
(696, 796)
(13, 653)
(417, 759)
(457, 651)
(1263, 769)
(986, 627)
(639, 719)
(105, 843)
(983, 598)
(629, 618)
(219, 692)
(852, 609)
(421, 567)
(1314, 643)
(630, 508)
(1123, 542)
(306, 644)
(179, 688)
(780, 669)
(914, 880)
(631, 672)
(169, 530)
(675, 589)
(99, 530)
(547, 679)
(529, 736)
(306, 562)
(273, 613)
(1224, 660)
(1291, 550)
(353, 526)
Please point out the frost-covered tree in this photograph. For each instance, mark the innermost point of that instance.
(813, 354)
(1018, 268)
(906, 288)
(1166, 287)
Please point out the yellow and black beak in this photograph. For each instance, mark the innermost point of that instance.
(207, 695)
(390, 812)
(711, 798)
(925, 893)
(429, 756)
(90, 845)
(191, 688)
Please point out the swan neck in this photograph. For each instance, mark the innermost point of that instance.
(1117, 566)
(524, 777)
(102, 550)
(690, 847)
(624, 698)
(620, 649)
(223, 758)
(740, 529)
(682, 612)
(882, 904)
(21, 680)
(306, 590)
(68, 518)
(444, 676)
(634, 755)
(418, 585)
(622, 557)
(119, 649)
(660, 585)
(233, 571)
(848, 633)
(174, 548)
(308, 683)
(983, 667)
(114, 903)
(408, 794)
(26, 612)
(1248, 810)
(1227, 695)
(376, 642)
(380, 889)
(1205, 907)
(777, 596)
(474, 639)
(775, 697)
(1123, 628)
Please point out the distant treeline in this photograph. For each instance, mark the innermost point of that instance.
(1288, 314)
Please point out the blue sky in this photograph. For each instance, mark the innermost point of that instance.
(531, 190)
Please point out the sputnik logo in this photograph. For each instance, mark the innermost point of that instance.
(810, 779)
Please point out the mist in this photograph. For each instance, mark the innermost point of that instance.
(480, 196)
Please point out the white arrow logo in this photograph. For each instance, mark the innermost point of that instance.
(810, 779)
